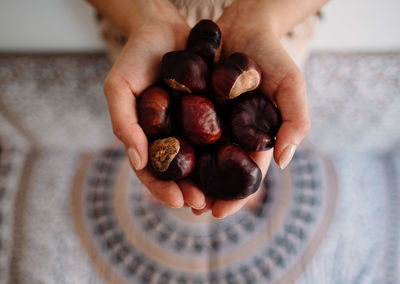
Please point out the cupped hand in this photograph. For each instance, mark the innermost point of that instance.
(246, 27)
(159, 30)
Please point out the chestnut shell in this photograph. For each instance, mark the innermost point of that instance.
(181, 165)
(205, 40)
(154, 112)
(184, 71)
(254, 121)
(228, 174)
(199, 120)
(235, 75)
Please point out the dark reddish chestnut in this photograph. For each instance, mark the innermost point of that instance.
(200, 123)
(205, 40)
(184, 71)
(254, 121)
(230, 173)
(154, 106)
(236, 75)
(171, 158)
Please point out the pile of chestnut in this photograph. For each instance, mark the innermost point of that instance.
(207, 116)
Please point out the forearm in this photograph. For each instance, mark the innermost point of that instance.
(129, 15)
(122, 13)
(285, 14)
(272, 16)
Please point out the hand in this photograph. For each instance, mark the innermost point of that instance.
(157, 30)
(283, 83)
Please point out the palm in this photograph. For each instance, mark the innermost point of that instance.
(282, 82)
(135, 70)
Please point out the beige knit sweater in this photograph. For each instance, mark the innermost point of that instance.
(296, 42)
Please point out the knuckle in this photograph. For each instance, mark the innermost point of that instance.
(301, 77)
(112, 86)
(297, 78)
(108, 83)
(118, 132)
(304, 127)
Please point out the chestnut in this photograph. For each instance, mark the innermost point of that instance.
(205, 40)
(254, 121)
(199, 120)
(236, 75)
(184, 71)
(171, 158)
(154, 107)
(228, 174)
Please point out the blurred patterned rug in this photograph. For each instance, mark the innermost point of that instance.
(71, 211)
(132, 239)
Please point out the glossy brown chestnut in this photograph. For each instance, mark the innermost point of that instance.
(254, 121)
(154, 107)
(184, 71)
(205, 40)
(171, 158)
(236, 75)
(200, 123)
(230, 173)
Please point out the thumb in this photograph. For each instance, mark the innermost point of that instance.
(291, 98)
(123, 112)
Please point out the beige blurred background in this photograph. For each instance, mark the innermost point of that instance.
(68, 25)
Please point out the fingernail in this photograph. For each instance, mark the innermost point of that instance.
(197, 213)
(218, 217)
(175, 206)
(198, 207)
(134, 157)
(286, 156)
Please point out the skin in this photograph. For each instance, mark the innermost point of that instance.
(153, 28)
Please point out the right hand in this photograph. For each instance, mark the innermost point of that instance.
(159, 30)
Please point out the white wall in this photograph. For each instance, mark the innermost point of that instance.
(68, 25)
(47, 25)
(366, 25)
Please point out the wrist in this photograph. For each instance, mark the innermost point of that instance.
(259, 15)
(277, 24)
(283, 15)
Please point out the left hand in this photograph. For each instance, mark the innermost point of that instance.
(247, 28)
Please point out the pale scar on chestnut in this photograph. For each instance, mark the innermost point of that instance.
(236, 75)
(247, 81)
(177, 86)
(185, 71)
(171, 158)
(162, 152)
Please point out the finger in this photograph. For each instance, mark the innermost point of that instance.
(134, 70)
(224, 208)
(122, 108)
(256, 199)
(209, 204)
(263, 160)
(165, 191)
(291, 99)
(192, 195)
(284, 83)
